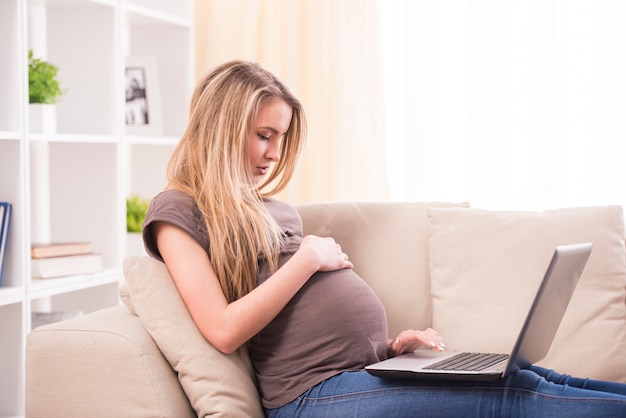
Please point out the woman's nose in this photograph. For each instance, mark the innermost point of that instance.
(273, 152)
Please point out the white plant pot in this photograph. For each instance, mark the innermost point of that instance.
(42, 118)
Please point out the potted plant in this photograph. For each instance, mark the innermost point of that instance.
(43, 85)
(136, 209)
(44, 91)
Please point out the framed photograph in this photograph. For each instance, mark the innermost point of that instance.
(143, 98)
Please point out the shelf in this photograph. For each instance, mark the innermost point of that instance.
(11, 79)
(74, 32)
(74, 138)
(152, 140)
(40, 288)
(68, 181)
(165, 10)
(161, 44)
(78, 3)
(140, 15)
(10, 136)
(11, 294)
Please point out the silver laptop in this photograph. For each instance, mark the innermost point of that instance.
(533, 341)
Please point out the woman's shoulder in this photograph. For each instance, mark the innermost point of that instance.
(177, 208)
(285, 215)
(173, 196)
(279, 208)
(172, 204)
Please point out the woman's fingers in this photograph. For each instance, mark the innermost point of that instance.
(328, 253)
(411, 340)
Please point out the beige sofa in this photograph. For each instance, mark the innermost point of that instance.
(432, 264)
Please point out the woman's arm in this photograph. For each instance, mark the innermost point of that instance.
(228, 326)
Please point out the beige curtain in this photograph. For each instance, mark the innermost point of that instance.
(328, 53)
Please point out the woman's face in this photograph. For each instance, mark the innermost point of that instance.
(266, 136)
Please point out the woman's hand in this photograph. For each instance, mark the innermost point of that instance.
(325, 252)
(410, 340)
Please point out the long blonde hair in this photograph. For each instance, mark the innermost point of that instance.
(210, 163)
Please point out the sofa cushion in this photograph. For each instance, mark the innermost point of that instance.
(215, 383)
(388, 245)
(486, 267)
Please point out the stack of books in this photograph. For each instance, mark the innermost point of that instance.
(5, 221)
(64, 259)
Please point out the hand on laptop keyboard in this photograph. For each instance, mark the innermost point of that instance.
(410, 340)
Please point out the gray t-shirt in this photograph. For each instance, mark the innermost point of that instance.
(334, 323)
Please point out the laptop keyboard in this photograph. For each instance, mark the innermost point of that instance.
(468, 362)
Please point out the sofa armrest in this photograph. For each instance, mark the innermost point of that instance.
(103, 364)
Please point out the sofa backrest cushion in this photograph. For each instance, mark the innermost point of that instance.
(486, 267)
(215, 383)
(388, 245)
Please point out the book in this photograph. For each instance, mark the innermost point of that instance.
(57, 249)
(69, 265)
(5, 222)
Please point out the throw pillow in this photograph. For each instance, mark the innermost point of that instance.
(215, 383)
(485, 267)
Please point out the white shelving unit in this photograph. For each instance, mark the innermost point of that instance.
(71, 184)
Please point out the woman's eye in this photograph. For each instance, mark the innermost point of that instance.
(264, 137)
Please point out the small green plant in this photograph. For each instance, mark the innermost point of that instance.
(136, 209)
(43, 86)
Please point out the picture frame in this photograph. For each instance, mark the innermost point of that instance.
(143, 97)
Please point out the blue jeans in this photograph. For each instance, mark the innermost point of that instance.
(534, 392)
